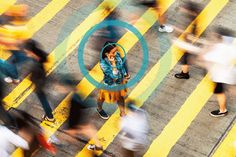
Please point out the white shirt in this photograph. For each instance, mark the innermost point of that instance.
(221, 58)
(9, 141)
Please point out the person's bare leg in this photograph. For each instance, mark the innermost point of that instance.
(99, 103)
(162, 21)
(185, 68)
(121, 105)
(69, 138)
(91, 132)
(161, 18)
(222, 102)
(128, 153)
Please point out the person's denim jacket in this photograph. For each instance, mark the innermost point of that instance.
(110, 78)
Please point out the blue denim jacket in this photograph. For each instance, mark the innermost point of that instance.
(109, 77)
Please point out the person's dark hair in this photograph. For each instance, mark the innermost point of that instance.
(34, 47)
(108, 47)
(192, 6)
(224, 31)
(4, 19)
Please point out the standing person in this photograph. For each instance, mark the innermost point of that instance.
(38, 75)
(115, 74)
(192, 9)
(158, 6)
(134, 130)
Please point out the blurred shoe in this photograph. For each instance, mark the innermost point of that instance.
(8, 80)
(127, 76)
(103, 114)
(93, 147)
(166, 29)
(48, 119)
(54, 140)
(217, 113)
(182, 75)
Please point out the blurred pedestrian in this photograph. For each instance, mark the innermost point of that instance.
(11, 138)
(38, 75)
(134, 130)
(192, 9)
(220, 60)
(79, 122)
(158, 6)
(13, 33)
(218, 57)
(5, 117)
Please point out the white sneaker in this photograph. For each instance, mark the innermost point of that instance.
(166, 28)
(54, 140)
(93, 147)
(8, 80)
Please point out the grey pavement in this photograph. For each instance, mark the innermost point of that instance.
(204, 132)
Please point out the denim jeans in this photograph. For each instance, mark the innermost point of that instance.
(44, 102)
(8, 70)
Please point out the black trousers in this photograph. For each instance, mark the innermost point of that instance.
(4, 115)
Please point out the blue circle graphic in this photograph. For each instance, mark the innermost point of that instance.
(116, 23)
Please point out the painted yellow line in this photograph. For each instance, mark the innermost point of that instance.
(25, 88)
(4, 5)
(40, 19)
(61, 112)
(227, 148)
(110, 129)
(145, 88)
(162, 145)
(177, 126)
(68, 45)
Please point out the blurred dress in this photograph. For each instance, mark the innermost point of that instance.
(113, 79)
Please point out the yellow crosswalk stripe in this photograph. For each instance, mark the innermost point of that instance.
(145, 88)
(162, 145)
(68, 45)
(4, 5)
(40, 19)
(25, 88)
(110, 128)
(227, 148)
(61, 112)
